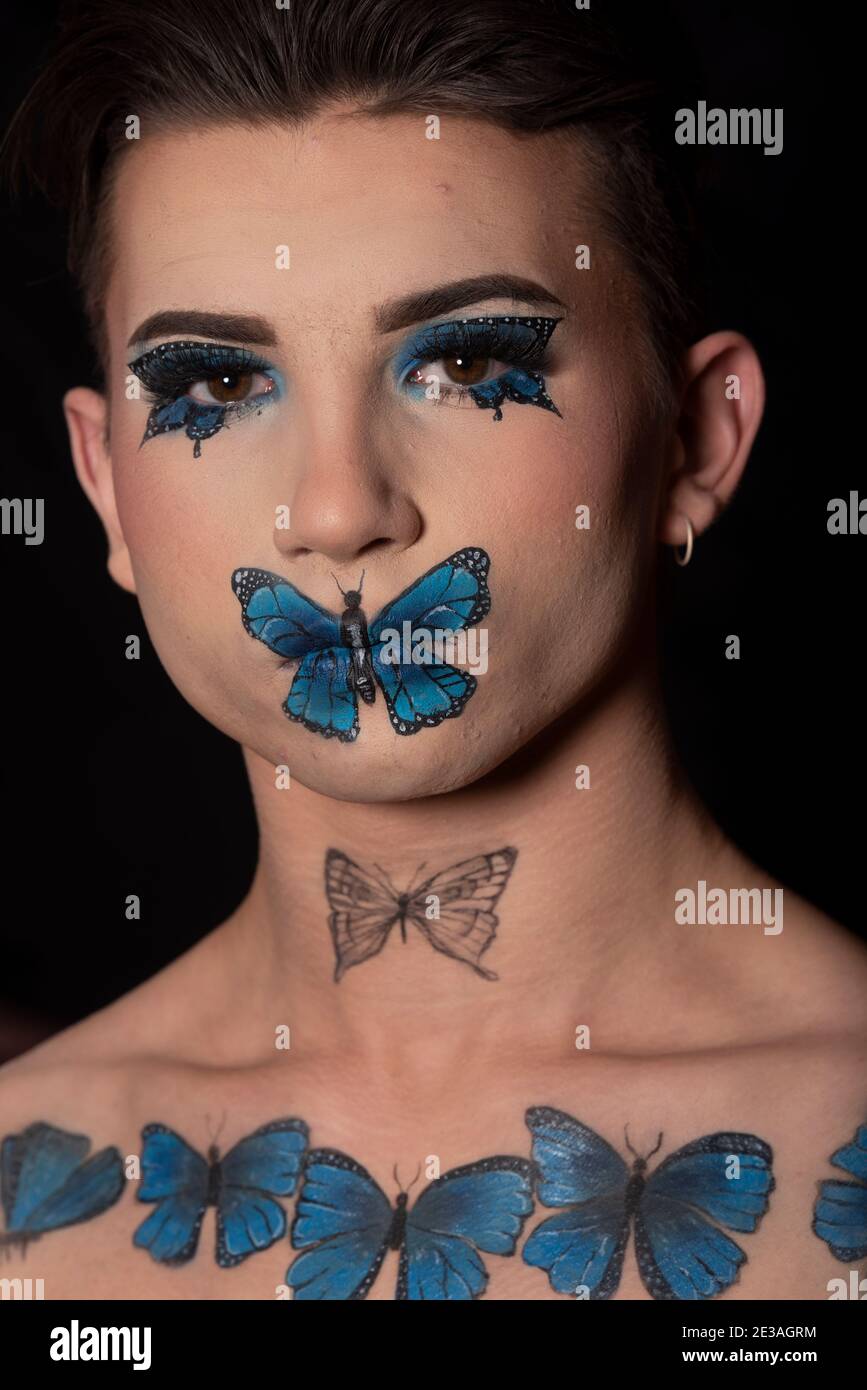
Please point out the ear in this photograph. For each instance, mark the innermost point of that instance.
(721, 408)
(87, 422)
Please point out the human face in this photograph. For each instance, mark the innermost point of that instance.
(315, 234)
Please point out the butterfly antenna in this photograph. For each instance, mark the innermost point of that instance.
(657, 1148)
(409, 886)
(388, 883)
(215, 1137)
(628, 1145)
(412, 1184)
(338, 583)
(361, 580)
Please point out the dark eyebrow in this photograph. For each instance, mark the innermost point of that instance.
(442, 299)
(238, 328)
(397, 313)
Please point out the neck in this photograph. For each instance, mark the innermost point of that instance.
(586, 918)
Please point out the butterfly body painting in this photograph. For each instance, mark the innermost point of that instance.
(345, 1225)
(343, 657)
(680, 1253)
(47, 1182)
(242, 1185)
(453, 910)
(840, 1217)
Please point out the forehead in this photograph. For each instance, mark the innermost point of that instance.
(368, 208)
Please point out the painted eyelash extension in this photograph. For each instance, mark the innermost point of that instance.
(166, 372)
(172, 364)
(522, 383)
(497, 343)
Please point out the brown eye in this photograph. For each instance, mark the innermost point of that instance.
(233, 386)
(466, 371)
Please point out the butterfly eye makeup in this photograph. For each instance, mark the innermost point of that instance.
(201, 387)
(485, 361)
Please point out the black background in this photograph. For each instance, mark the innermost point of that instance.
(113, 785)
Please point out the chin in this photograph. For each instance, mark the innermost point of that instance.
(381, 766)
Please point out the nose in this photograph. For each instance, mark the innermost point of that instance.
(347, 505)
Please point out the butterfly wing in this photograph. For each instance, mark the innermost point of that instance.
(583, 1246)
(264, 1165)
(342, 1225)
(467, 894)
(296, 628)
(321, 698)
(48, 1182)
(176, 1178)
(481, 1206)
(840, 1217)
(419, 697)
(680, 1254)
(450, 597)
(279, 615)
(362, 911)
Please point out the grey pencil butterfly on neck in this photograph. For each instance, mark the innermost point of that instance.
(453, 910)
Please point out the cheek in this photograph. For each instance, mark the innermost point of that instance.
(179, 532)
(180, 515)
(567, 593)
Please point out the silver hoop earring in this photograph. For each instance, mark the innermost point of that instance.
(685, 558)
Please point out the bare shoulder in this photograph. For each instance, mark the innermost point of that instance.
(816, 989)
(68, 1082)
(146, 1029)
(833, 965)
(806, 971)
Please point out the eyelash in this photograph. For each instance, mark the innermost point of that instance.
(170, 370)
(493, 334)
(495, 339)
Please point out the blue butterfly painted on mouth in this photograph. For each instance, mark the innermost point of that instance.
(47, 1182)
(341, 658)
(345, 1224)
(840, 1217)
(242, 1186)
(680, 1254)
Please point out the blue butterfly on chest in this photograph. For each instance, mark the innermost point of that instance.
(840, 1215)
(344, 658)
(48, 1181)
(242, 1185)
(345, 1226)
(676, 1211)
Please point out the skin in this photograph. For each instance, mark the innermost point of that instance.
(693, 1029)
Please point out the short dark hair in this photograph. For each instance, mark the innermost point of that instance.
(524, 65)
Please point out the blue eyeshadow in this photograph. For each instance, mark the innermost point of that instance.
(508, 338)
(170, 369)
